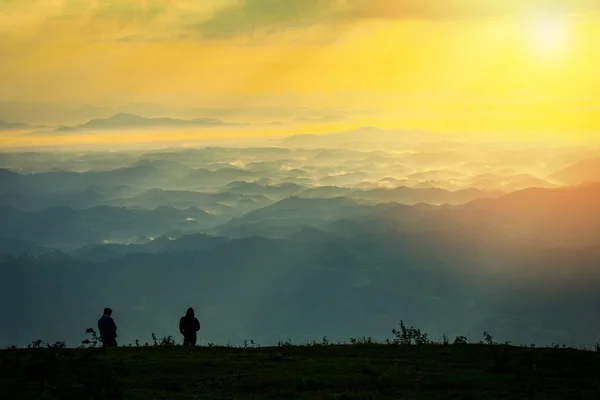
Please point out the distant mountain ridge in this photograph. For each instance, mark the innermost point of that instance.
(580, 172)
(133, 121)
(4, 125)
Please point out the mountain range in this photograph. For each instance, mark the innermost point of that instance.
(123, 121)
(269, 242)
(4, 126)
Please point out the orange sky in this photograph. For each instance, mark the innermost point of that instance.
(509, 68)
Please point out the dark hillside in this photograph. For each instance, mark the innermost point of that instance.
(308, 372)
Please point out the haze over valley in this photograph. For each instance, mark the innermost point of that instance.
(303, 236)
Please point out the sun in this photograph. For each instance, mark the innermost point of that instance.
(549, 33)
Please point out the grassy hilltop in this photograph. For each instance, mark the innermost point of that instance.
(320, 371)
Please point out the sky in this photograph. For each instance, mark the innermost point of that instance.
(495, 68)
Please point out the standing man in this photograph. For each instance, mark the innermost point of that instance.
(108, 329)
(189, 327)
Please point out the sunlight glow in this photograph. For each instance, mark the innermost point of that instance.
(549, 33)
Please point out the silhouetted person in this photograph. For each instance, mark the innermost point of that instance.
(108, 329)
(189, 327)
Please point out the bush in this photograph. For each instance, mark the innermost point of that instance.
(445, 340)
(407, 336)
(93, 342)
(36, 344)
(287, 343)
(489, 339)
(460, 340)
(166, 341)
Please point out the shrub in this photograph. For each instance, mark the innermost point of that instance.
(489, 339)
(445, 340)
(460, 340)
(166, 341)
(365, 341)
(407, 336)
(36, 344)
(93, 342)
(287, 343)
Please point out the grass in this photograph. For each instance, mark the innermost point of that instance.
(359, 371)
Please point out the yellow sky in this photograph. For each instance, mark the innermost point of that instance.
(511, 67)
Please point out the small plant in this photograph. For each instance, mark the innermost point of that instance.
(245, 344)
(36, 344)
(57, 345)
(287, 343)
(93, 342)
(489, 339)
(407, 336)
(166, 341)
(11, 347)
(445, 340)
(324, 341)
(597, 347)
(459, 340)
(137, 342)
(365, 341)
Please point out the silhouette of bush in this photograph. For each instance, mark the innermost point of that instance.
(287, 343)
(93, 342)
(489, 339)
(445, 340)
(57, 345)
(407, 336)
(460, 340)
(36, 344)
(366, 341)
(166, 341)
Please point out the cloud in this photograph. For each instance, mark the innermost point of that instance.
(158, 20)
(460, 9)
(118, 20)
(253, 16)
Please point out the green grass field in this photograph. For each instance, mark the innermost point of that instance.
(301, 372)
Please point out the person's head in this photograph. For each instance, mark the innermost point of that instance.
(190, 312)
(107, 311)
